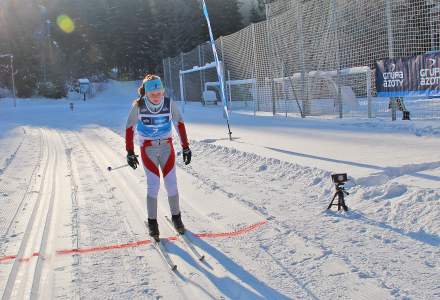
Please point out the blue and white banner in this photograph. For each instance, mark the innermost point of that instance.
(409, 77)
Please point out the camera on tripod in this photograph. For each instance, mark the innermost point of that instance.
(339, 180)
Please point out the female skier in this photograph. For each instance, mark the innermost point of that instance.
(152, 114)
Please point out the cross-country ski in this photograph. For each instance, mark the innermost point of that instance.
(160, 247)
(188, 242)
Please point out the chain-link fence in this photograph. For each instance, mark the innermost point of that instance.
(314, 58)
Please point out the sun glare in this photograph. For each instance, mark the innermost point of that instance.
(65, 23)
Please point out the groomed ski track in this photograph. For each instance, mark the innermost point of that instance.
(194, 279)
(72, 201)
(39, 206)
(104, 208)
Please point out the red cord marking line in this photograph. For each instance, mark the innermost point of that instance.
(235, 233)
(232, 233)
(23, 259)
(7, 258)
(104, 248)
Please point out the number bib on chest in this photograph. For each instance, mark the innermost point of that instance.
(154, 121)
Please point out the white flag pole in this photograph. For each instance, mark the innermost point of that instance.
(219, 69)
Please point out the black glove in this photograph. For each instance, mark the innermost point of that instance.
(186, 153)
(132, 160)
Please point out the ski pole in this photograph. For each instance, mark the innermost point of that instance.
(109, 168)
(120, 167)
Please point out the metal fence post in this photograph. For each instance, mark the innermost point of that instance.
(283, 85)
(369, 97)
(200, 64)
(255, 95)
(390, 52)
(182, 79)
(389, 29)
(223, 62)
(270, 60)
(335, 27)
(170, 75)
(221, 48)
(304, 87)
(204, 62)
(229, 90)
(165, 77)
(182, 92)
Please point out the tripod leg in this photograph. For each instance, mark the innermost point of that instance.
(331, 203)
(343, 204)
(340, 199)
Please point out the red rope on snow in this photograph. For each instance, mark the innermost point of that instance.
(235, 233)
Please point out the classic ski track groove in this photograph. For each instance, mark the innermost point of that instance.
(44, 240)
(75, 214)
(17, 265)
(11, 157)
(26, 193)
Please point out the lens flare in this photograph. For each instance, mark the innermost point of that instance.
(65, 23)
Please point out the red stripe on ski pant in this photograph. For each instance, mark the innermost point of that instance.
(148, 163)
(169, 165)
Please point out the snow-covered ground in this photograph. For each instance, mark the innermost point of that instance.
(71, 229)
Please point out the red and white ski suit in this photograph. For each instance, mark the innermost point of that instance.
(153, 126)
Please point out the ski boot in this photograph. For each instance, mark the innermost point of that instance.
(153, 229)
(178, 224)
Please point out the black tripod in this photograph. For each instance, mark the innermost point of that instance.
(340, 192)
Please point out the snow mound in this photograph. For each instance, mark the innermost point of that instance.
(421, 128)
(379, 198)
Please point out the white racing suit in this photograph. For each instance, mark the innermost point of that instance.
(154, 132)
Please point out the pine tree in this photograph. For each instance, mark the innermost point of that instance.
(19, 37)
(225, 16)
(79, 48)
(258, 11)
(178, 27)
(131, 35)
